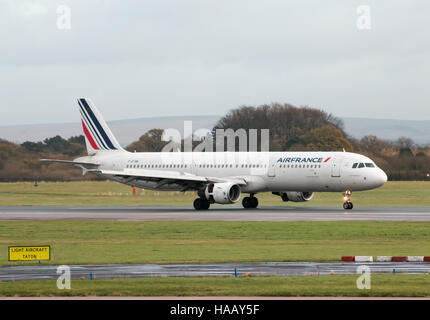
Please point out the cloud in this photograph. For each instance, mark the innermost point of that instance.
(166, 57)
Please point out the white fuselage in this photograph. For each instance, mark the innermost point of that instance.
(262, 171)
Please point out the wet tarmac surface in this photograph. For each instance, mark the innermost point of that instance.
(41, 272)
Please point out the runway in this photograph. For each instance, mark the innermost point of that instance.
(16, 273)
(224, 213)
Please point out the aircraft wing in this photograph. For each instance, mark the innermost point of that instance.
(187, 180)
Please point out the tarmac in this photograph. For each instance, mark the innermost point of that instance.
(221, 213)
(110, 271)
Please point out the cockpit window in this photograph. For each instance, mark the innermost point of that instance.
(354, 165)
(370, 165)
(361, 165)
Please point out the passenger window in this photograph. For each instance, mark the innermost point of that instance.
(361, 165)
(354, 165)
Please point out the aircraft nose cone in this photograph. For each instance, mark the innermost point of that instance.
(382, 177)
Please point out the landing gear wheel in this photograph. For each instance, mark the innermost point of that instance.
(246, 202)
(254, 202)
(250, 202)
(206, 203)
(201, 204)
(348, 205)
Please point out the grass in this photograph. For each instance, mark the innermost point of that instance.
(397, 193)
(94, 242)
(382, 285)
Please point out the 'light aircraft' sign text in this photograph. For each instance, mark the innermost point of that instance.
(29, 253)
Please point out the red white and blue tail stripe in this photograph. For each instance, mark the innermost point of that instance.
(98, 136)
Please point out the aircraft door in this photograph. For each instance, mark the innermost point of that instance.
(271, 171)
(193, 167)
(335, 167)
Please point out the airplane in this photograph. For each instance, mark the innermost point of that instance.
(222, 177)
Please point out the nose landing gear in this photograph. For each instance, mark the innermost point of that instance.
(347, 205)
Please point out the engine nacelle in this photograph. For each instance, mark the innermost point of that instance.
(296, 196)
(223, 192)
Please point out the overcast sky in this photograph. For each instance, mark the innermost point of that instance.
(203, 57)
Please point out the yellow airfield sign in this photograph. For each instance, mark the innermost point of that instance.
(29, 253)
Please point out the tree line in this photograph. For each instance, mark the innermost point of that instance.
(291, 129)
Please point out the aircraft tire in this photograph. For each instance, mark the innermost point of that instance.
(254, 202)
(201, 204)
(348, 205)
(246, 202)
(206, 204)
(250, 202)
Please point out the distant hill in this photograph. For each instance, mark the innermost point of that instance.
(130, 130)
(126, 131)
(417, 130)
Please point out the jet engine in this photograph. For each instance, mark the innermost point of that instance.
(223, 192)
(295, 196)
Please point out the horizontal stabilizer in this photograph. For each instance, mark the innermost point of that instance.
(78, 163)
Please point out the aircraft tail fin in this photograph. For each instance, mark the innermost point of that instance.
(98, 136)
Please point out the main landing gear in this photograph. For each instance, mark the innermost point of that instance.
(250, 202)
(201, 204)
(347, 205)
